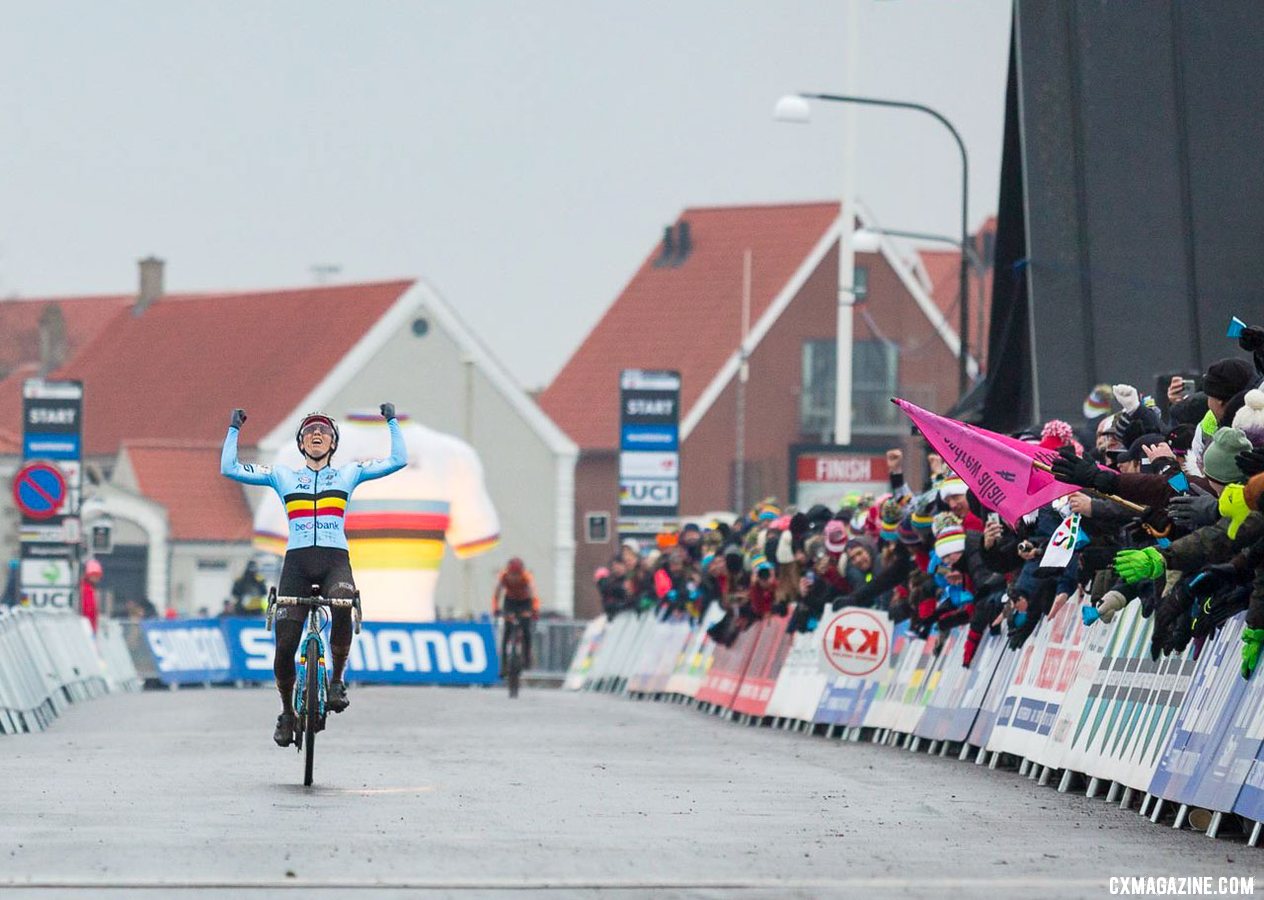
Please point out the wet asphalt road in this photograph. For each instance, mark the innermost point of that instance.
(463, 793)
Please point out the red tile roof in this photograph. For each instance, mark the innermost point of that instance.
(176, 370)
(942, 269)
(84, 318)
(184, 477)
(687, 318)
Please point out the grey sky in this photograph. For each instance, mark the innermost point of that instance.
(522, 156)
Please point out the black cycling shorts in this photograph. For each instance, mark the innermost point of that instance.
(330, 567)
(518, 607)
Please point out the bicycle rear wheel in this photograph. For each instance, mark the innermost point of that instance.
(311, 704)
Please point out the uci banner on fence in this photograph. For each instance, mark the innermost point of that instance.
(199, 651)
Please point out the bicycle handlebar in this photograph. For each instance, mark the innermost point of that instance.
(315, 601)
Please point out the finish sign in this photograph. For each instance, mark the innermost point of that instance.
(39, 490)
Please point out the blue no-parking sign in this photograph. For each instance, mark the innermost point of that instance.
(39, 490)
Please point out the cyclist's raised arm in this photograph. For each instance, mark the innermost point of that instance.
(376, 468)
(231, 468)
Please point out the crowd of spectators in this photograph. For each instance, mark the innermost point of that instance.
(1166, 495)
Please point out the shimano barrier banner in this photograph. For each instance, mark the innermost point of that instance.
(195, 651)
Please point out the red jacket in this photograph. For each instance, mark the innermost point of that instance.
(88, 602)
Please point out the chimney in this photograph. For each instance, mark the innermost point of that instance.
(684, 242)
(669, 249)
(150, 284)
(52, 339)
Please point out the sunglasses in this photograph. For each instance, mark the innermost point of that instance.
(317, 428)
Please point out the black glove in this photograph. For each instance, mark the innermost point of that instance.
(388, 411)
(1213, 578)
(1081, 471)
(1252, 339)
(1194, 511)
(1251, 462)
(237, 419)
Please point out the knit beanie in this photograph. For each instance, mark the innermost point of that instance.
(1227, 377)
(1055, 434)
(1218, 462)
(1098, 402)
(1250, 418)
(950, 536)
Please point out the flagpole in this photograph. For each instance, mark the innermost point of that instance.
(1126, 504)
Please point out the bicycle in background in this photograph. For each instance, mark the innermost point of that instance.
(515, 652)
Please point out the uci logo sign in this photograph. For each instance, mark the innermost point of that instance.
(856, 642)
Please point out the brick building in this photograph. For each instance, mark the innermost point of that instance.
(683, 310)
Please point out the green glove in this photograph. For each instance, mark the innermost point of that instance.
(1252, 638)
(1139, 565)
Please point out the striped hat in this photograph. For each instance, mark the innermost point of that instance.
(1097, 403)
(950, 536)
(906, 531)
(952, 487)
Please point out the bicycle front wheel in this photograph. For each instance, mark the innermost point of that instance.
(311, 703)
(513, 667)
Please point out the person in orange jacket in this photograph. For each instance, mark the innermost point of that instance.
(517, 586)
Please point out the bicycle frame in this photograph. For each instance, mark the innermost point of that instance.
(316, 618)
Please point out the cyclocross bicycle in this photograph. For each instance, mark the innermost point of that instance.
(515, 651)
(311, 687)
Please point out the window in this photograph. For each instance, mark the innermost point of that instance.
(875, 380)
(597, 527)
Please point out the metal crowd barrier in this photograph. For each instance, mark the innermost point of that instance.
(553, 646)
(48, 660)
(116, 654)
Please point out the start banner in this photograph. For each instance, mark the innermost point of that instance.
(197, 651)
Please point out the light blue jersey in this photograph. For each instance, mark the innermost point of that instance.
(315, 502)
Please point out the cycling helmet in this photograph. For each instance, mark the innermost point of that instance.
(316, 417)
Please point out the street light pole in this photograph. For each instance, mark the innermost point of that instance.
(793, 108)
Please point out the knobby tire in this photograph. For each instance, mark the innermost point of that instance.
(311, 704)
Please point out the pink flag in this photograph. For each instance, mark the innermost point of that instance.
(997, 468)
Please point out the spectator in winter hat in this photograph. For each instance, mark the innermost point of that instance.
(953, 492)
(950, 537)
(954, 495)
(835, 535)
(1135, 459)
(1055, 434)
(1220, 461)
(1097, 403)
(1250, 418)
(1226, 378)
(690, 540)
(1105, 441)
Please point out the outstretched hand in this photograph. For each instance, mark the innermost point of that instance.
(237, 419)
(388, 410)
